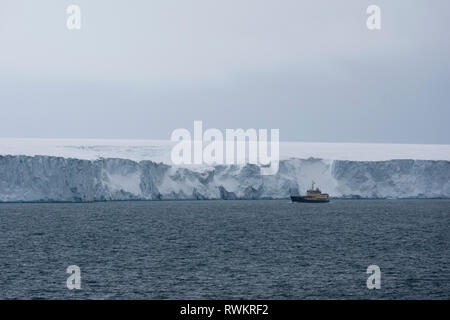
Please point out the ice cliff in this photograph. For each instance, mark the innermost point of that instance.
(47, 178)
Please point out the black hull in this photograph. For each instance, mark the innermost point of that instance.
(303, 199)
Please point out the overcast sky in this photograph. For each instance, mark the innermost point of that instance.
(140, 69)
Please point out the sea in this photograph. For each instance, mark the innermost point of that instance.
(255, 249)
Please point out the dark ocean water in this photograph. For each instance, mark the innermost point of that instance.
(226, 249)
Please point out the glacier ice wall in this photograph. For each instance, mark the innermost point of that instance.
(46, 178)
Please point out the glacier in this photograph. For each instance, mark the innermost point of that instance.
(34, 178)
(159, 150)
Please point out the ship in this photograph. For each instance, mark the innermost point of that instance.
(312, 196)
